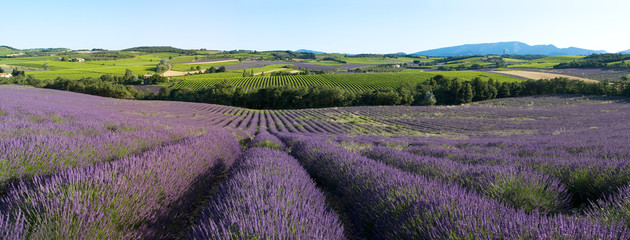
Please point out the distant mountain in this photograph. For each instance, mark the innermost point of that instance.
(309, 51)
(515, 48)
(625, 52)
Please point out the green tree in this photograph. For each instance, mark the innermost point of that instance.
(128, 74)
(211, 70)
(45, 66)
(504, 90)
(465, 94)
(428, 99)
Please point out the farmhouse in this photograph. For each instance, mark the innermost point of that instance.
(79, 60)
(5, 75)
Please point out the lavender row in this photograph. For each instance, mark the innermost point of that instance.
(520, 188)
(134, 197)
(269, 196)
(266, 139)
(386, 203)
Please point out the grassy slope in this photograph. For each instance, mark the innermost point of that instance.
(203, 66)
(229, 74)
(547, 62)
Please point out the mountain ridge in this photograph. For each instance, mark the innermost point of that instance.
(499, 48)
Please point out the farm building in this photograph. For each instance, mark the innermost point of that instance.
(5, 75)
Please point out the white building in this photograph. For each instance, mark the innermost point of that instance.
(5, 75)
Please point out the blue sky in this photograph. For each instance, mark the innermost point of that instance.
(330, 26)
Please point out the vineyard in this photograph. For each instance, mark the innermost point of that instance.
(85, 167)
(351, 82)
(252, 83)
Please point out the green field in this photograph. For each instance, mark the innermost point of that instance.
(203, 66)
(547, 62)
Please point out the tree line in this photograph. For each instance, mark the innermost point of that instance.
(606, 60)
(438, 90)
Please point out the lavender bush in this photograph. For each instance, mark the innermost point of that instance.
(613, 209)
(265, 139)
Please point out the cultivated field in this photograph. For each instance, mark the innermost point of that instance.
(542, 75)
(85, 167)
(351, 82)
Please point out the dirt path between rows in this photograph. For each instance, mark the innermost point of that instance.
(541, 75)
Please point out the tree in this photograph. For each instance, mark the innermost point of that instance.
(465, 94)
(155, 79)
(45, 66)
(480, 89)
(17, 73)
(504, 90)
(1, 70)
(428, 100)
(211, 70)
(406, 94)
(128, 74)
(163, 66)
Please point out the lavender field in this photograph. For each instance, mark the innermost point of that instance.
(76, 166)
